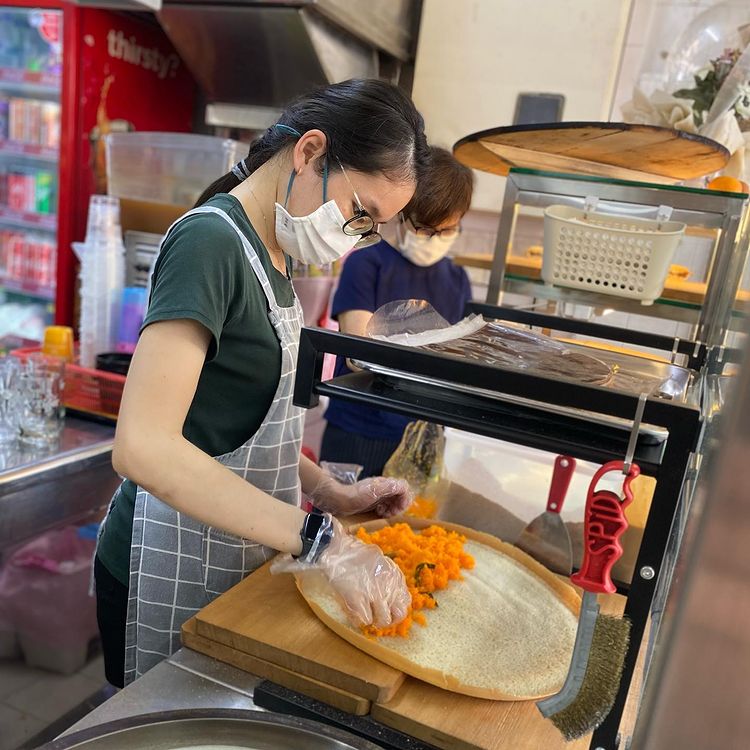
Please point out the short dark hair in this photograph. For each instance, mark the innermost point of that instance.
(443, 189)
(371, 125)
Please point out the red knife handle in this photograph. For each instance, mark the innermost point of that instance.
(604, 524)
(562, 473)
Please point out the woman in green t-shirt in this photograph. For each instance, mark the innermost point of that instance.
(208, 437)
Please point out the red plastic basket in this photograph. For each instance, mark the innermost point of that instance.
(88, 390)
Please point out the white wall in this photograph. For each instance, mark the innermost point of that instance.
(475, 56)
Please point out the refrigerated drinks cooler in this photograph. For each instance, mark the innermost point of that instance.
(68, 76)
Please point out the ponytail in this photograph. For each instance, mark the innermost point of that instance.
(371, 126)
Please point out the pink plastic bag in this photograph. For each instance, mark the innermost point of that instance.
(44, 595)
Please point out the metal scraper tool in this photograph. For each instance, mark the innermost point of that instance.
(546, 538)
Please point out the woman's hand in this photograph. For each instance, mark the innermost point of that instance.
(370, 585)
(387, 497)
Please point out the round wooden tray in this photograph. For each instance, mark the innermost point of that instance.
(607, 149)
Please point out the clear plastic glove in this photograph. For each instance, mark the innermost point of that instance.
(370, 585)
(387, 497)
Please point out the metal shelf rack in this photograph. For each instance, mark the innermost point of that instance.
(534, 426)
(721, 213)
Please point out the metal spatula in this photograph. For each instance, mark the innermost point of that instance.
(546, 538)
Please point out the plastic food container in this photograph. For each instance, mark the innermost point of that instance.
(617, 255)
(173, 168)
(514, 476)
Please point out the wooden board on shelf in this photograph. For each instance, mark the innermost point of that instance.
(333, 696)
(266, 617)
(607, 149)
(675, 289)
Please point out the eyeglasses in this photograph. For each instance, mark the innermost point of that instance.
(361, 223)
(448, 233)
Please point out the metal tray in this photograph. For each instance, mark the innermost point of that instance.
(675, 380)
(652, 433)
(630, 373)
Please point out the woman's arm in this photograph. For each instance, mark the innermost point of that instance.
(354, 322)
(310, 474)
(151, 451)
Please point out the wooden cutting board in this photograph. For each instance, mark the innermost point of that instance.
(459, 722)
(607, 149)
(353, 704)
(266, 617)
(264, 627)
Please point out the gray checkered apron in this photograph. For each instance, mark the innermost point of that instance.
(178, 565)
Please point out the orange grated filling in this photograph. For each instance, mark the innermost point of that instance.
(422, 507)
(429, 560)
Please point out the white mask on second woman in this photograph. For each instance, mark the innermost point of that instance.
(423, 251)
(316, 239)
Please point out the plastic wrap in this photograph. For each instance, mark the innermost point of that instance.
(511, 347)
(344, 473)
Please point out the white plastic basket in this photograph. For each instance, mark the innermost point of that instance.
(615, 255)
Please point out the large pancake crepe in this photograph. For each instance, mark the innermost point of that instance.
(505, 632)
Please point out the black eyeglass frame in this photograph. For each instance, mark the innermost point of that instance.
(429, 232)
(368, 232)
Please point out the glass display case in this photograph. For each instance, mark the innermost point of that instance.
(705, 294)
(30, 120)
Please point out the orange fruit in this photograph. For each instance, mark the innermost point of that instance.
(728, 184)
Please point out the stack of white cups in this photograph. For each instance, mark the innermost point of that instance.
(102, 276)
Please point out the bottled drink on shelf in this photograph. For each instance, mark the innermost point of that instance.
(21, 189)
(30, 121)
(27, 258)
(45, 184)
(50, 130)
(28, 189)
(4, 117)
(16, 118)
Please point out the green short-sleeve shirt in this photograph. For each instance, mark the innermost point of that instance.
(202, 274)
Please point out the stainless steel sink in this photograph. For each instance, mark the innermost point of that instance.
(211, 729)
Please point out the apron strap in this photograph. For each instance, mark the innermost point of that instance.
(250, 252)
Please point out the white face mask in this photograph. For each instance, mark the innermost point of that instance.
(423, 251)
(316, 239)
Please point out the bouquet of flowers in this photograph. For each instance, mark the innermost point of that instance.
(717, 107)
(708, 82)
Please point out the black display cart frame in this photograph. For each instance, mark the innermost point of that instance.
(535, 426)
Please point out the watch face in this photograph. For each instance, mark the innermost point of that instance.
(311, 532)
(313, 522)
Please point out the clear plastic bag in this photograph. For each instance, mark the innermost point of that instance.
(419, 456)
(344, 473)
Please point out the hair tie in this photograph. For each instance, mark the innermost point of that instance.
(240, 170)
(288, 129)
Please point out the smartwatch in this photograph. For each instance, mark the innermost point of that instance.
(316, 534)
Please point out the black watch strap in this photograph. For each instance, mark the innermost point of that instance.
(316, 534)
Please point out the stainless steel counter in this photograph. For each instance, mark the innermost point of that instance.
(185, 680)
(52, 486)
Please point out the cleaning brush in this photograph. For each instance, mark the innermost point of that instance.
(589, 691)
